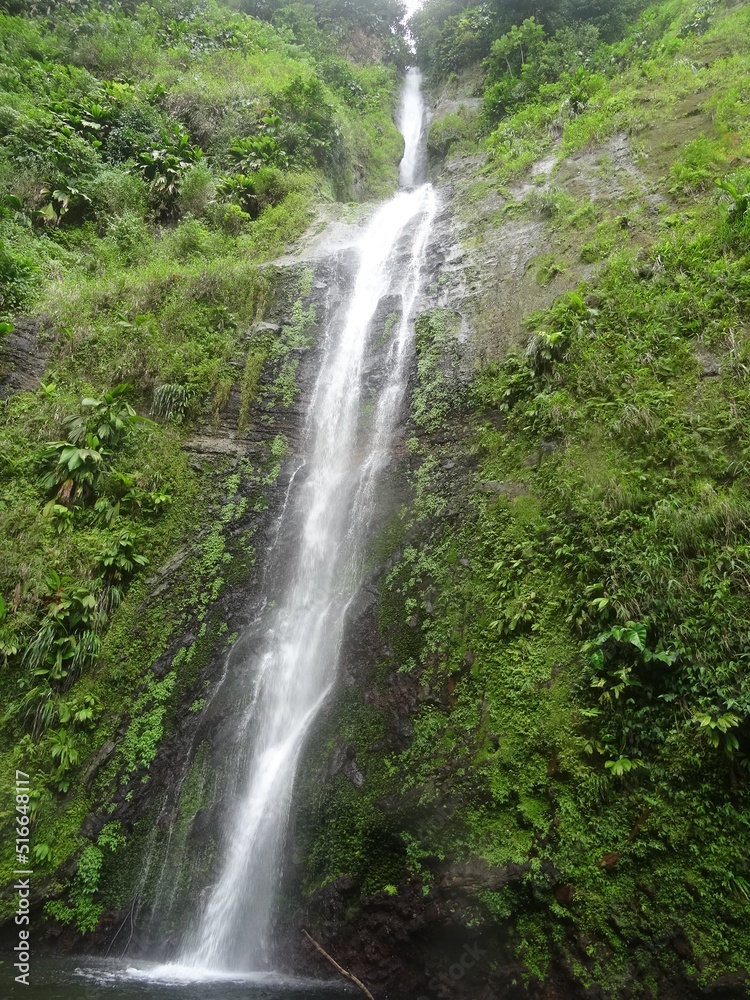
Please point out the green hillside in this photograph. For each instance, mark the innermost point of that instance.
(153, 158)
(548, 707)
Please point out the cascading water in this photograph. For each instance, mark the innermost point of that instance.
(332, 509)
(411, 123)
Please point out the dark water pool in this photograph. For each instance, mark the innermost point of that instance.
(86, 978)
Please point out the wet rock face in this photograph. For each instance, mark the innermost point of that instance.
(407, 946)
(156, 801)
(210, 735)
(230, 435)
(443, 944)
(23, 355)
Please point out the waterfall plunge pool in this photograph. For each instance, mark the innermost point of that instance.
(86, 977)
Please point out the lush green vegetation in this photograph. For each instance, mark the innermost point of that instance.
(451, 35)
(565, 594)
(587, 609)
(152, 158)
(568, 591)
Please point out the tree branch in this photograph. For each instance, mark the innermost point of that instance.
(352, 978)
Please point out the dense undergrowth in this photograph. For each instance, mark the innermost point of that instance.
(152, 158)
(588, 606)
(569, 592)
(571, 89)
(567, 587)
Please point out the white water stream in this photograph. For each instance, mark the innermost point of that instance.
(334, 505)
(411, 123)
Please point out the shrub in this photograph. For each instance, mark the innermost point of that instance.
(197, 190)
(17, 277)
(735, 188)
(448, 131)
(114, 191)
(130, 236)
(256, 191)
(190, 239)
(230, 219)
(137, 127)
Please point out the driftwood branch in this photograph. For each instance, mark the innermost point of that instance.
(348, 975)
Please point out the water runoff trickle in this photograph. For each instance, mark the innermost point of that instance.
(333, 507)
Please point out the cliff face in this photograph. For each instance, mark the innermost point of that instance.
(186, 622)
(155, 368)
(531, 778)
(512, 792)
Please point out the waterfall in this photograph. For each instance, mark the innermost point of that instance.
(296, 665)
(411, 123)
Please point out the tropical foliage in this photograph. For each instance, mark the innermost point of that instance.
(152, 156)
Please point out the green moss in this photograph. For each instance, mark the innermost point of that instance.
(451, 132)
(390, 321)
(549, 267)
(592, 483)
(388, 539)
(437, 354)
(198, 655)
(241, 567)
(402, 629)
(147, 726)
(341, 828)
